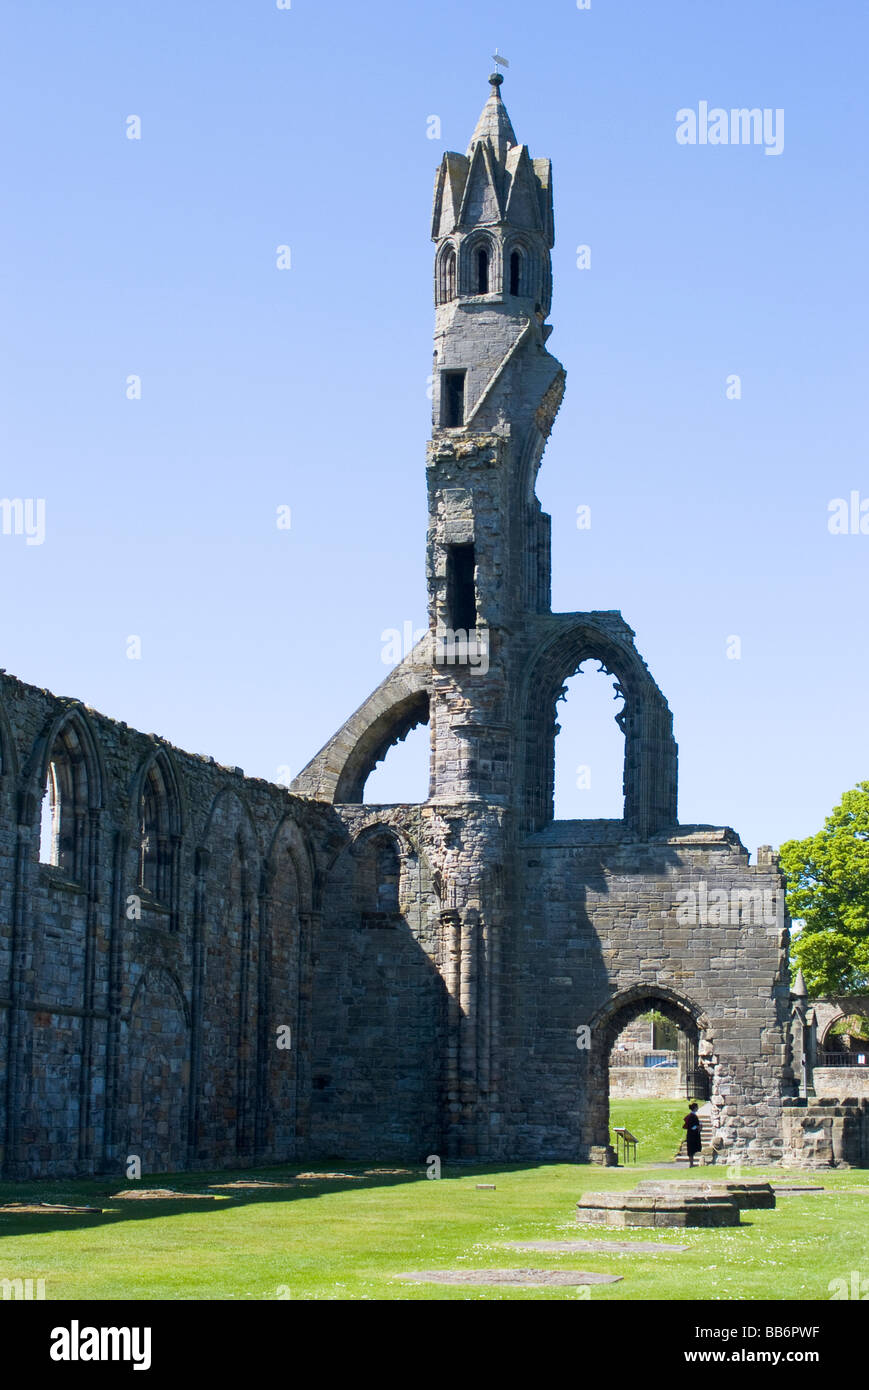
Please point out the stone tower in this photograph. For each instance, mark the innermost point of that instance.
(496, 393)
(540, 929)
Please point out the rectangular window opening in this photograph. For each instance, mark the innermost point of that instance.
(461, 592)
(452, 399)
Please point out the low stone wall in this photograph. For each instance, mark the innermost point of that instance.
(825, 1132)
(841, 1081)
(750, 1193)
(651, 1209)
(660, 1083)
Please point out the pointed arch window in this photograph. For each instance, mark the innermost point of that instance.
(446, 276)
(515, 272)
(377, 880)
(67, 800)
(481, 261)
(49, 829)
(158, 836)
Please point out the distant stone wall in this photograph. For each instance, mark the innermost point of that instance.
(841, 1081)
(663, 1083)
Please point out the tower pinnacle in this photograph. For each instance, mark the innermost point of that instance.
(494, 123)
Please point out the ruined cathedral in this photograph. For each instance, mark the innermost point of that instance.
(207, 970)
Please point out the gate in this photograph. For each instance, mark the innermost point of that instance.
(696, 1077)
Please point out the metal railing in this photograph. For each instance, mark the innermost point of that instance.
(843, 1059)
(642, 1059)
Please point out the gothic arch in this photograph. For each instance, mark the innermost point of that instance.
(161, 759)
(70, 728)
(859, 1009)
(229, 1001)
(220, 815)
(468, 252)
(290, 838)
(66, 752)
(650, 750)
(161, 979)
(529, 269)
(407, 847)
(157, 826)
(390, 727)
(609, 1020)
(339, 771)
(156, 1048)
(446, 273)
(8, 751)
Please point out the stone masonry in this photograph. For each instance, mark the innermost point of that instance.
(205, 969)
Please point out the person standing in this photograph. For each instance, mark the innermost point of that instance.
(691, 1124)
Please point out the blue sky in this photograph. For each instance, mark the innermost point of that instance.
(307, 387)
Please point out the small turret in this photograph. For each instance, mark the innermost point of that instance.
(493, 225)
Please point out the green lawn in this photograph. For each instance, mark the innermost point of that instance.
(657, 1124)
(346, 1240)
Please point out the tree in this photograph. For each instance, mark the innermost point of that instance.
(828, 888)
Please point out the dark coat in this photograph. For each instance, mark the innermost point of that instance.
(691, 1123)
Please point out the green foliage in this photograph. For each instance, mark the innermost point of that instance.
(828, 888)
(854, 1026)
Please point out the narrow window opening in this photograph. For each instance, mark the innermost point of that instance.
(590, 747)
(515, 267)
(453, 399)
(461, 591)
(377, 881)
(482, 272)
(151, 831)
(49, 829)
(450, 276)
(388, 874)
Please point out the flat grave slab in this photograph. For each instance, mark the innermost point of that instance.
(599, 1247)
(162, 1194)
(248, 1186)
(520, 1278)
(794, 1189)
(47, 1209)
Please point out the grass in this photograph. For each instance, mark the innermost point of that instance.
(657, 1124)
(348, 1240)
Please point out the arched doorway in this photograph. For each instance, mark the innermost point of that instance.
(618, 1044)
(845, 1042)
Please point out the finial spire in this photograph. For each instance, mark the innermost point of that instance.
(494, 123)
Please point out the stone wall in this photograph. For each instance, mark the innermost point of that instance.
(142, 1023)
(426, 966)
(826, 1132)
(662, 1083)
(840, 1081)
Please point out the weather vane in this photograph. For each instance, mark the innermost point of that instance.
(502, 62)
